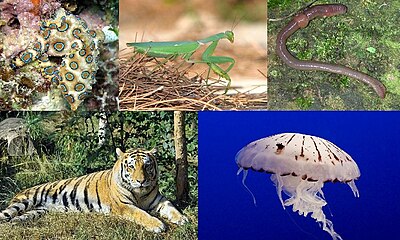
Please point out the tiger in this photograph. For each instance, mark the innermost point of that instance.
(129, 190)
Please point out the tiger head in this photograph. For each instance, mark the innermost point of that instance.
(137, 169)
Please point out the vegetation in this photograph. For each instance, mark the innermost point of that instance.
(67, 145)
(365, 38)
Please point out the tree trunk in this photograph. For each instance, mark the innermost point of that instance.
(101, 134)
(182, 185)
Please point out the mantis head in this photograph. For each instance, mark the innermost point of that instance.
(230, 36)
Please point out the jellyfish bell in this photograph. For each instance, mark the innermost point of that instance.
(300, 165)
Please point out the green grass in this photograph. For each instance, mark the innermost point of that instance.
(365, 38)
(93, 226)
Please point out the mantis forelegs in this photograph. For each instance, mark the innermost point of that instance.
(212, 62)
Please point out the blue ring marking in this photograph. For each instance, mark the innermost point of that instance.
(49, 70)
(69, 98)
(83, 95)
(64, 27)
(59, 46)
(79, 87)
(55, 79)
(92, 46)
(46, 34)
(71, 55)
(92, 33)
(24, 59)
(73, 65)
(74, 45)
(42, 25)
(84, 24)
(63, 87)
(85, 74)
(44, 58)
(75, 32)
(46, 47)
(63, 63)
(82, 52)
(53, 26)
(89, 58)
(69, 76)
(37, 46)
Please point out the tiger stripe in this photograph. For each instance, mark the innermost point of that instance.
(129, 190)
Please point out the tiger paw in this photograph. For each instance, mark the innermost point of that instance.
(155, 225)
(179, 219)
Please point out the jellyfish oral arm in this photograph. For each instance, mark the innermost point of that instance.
(354, 188)
(278, 184)
(244, 184)
(305, 197)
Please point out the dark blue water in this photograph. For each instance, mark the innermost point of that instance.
(226, 209)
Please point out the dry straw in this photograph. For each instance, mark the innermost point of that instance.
(149, 84)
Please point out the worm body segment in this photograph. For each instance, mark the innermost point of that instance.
(301, 20)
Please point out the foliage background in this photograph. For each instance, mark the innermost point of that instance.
(67, 146)
(366, 38)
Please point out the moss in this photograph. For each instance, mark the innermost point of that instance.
(365, 39)
(304, 102)
(393, 81)
(335, 103)
(279, 3)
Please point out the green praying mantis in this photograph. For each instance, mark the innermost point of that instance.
(185, 49)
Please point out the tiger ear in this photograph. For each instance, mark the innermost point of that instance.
(119, 152)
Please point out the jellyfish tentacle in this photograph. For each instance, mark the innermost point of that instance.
(278, 183)
(321, 193)
(244, 184)
(354, 188)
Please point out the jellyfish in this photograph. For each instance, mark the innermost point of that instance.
(300, 165)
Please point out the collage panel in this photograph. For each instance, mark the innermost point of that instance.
(58, 55)
(95, 175)
(192, 55)
(333, 55)
(259, 172)
(106, 108)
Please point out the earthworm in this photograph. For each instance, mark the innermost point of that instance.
(301, 21)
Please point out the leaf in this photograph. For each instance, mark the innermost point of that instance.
(371, 49)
